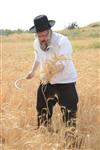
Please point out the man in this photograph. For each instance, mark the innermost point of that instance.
(61, 87)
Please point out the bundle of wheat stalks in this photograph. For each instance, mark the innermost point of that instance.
(50, 67)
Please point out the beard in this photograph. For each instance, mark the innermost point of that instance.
(44, 45)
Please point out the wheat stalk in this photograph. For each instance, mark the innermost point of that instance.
(50, 68)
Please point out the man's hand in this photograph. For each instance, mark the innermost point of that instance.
(59, 67)
(30, 75)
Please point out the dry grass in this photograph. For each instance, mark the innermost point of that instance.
(18, 113)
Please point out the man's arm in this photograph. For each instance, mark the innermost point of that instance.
(65, 51)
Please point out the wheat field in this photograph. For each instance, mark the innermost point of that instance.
(18, 112)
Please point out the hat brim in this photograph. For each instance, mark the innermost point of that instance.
(33, 28)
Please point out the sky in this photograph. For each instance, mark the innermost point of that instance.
(19, 14)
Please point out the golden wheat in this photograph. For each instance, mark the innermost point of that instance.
(50, 67)
(18, 113)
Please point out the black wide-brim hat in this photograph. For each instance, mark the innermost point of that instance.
(41, 23)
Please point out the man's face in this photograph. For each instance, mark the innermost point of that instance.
(44, 38)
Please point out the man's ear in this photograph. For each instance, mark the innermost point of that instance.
(49, 34)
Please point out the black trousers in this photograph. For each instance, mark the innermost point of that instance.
(63, 94)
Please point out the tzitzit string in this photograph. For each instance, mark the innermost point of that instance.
(43, 88)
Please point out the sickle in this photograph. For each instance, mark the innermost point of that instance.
(17, 83)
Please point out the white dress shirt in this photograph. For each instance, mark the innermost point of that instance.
(61, 46)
